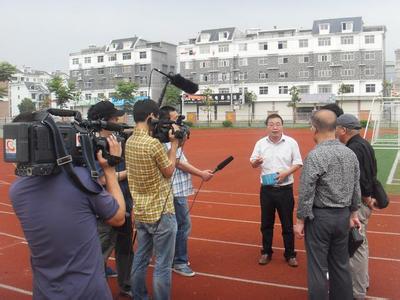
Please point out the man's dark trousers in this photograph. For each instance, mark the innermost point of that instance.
(277, 199)
(326, 239)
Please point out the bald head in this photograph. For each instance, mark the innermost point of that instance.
(324, 121)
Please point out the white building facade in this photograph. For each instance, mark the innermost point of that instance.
(317, 61)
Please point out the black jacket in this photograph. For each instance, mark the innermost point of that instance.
(366, 158)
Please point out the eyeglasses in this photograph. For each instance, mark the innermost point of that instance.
(274, 124)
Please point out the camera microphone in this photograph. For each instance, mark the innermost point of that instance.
(181, 83)
(223, 164)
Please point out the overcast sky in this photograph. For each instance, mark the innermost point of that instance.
(41, 33)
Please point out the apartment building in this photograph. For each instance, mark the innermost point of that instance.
(97, 70)
(396, 82)
(318, 61)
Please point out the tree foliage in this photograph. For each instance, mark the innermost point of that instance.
(295, 98)
(3, 92)
(26, 105)
(126, 91)
(6, 71)
(172, 95)
(250, 97)
(208, 102)
(64, 91)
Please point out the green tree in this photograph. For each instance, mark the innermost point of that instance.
(3, 92)
(343, 89)
(126, 91)
(6, 71)
(172, 96)
(64, 91)
(26, 105)
(386, 88)
(208, 102)
(46, 103)
(250, 98)
(294, 100)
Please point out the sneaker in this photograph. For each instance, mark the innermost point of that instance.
(125, 293)
(292, 262)
(264, 259)
(110, 272)
(183, 270)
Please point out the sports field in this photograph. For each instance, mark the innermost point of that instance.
(224, 246)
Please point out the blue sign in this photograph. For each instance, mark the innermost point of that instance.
(121, 102)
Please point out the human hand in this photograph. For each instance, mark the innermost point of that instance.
(370, 202)
(115, 148)
(171, 134)
(206, 175)
(355, 221)
(299, 229)
(281, 176)
(258, 161)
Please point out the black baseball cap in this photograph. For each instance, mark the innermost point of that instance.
(348, 121)
(103, 110)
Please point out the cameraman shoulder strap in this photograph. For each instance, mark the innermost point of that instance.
(64, 160)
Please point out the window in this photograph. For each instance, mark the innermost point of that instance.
(88, 60)
(126, 69)
(303, 43)
(126, 56)
(112, 70)
(347, 72)
(223, 48)
(87, 72)
(100, 71)
(370, 88)
(74, 73)
(188, 65)
(224, 76)
(243, 62)
(263, 90)
(369, 39)
(223, 35)
(262, 75)
(304, 89)
(324, 28)
(283, 75)
(263, 46)
(324, 73)
(204, 77)
(324, 58)
(223, 63)
(100, 59)
(347, 40)
(88, 96)
(304, 74)
(347, 56)
(263, 61)
(242, 47)
(347, 26)
(283, 89)
(282, 44)
(205, 64)
(204, 37)
(101, 95)
(369, 55)
(75, 61)
(33, 96)
(283, 60)
(325, 89)
(112, 57)
(223, 90)
(304, 59)
(243, 76)
(142, 68)
(87, 84)
(369, 71)
(324, 42)
(204, 49)
(245, 90)
(143, 79)
(348, 88)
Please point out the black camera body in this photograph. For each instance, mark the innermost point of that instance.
(32, 147)
(163, 126)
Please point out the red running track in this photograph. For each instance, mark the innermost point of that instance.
(224, 244)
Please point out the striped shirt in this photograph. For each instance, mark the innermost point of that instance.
(330, 179)
(145, 156)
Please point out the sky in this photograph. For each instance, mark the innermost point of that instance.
(41, 33)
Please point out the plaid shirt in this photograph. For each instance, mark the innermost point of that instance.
(145, 156)
(182, 181)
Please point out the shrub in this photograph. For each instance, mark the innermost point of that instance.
(363, 123)
(188, 123)
(227, 123)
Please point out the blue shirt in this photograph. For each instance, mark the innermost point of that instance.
(59, 223)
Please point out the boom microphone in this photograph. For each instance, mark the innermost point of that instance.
(223, 164)
(181, 83)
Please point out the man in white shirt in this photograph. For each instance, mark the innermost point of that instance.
(278, 156)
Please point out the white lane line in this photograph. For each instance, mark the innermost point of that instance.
(5, 204)
(15, 289)
(4, 182)
(13, 236)
(6, 212)
(258, 206)
(276, 224)
(393, 169)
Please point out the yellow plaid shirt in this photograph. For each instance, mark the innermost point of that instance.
(145, 156)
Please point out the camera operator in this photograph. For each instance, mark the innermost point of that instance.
(59, 223)
(119, 238)
(182, 188)
(150, 168)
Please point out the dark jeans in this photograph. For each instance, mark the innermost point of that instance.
(280, 199)
(326, 239)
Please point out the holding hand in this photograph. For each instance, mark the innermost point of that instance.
(281, 176)
(206, 175)
(257, 162)
(299, 229)
(355, 221)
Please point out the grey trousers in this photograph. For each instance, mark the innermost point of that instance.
(326, 239)
(359, 262)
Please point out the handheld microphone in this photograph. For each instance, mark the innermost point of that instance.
(181, 83)
(223, 164)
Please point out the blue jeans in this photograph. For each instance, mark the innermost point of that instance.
(163, 241)
(184, 226)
